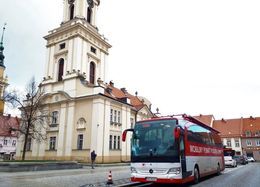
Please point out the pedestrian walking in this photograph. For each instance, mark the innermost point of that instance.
(93, 158)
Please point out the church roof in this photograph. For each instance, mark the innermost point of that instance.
(7, 122)
(122, 95)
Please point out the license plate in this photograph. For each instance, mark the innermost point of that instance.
(151, 178)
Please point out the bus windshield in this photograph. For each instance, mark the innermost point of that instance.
(153, 141)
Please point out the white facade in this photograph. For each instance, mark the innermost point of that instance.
(234, 143)
(7, 146)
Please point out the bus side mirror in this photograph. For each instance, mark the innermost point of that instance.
(177, 133)
(124, 135)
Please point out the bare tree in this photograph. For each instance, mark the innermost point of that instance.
(34, 117)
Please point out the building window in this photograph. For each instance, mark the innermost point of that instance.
(248, 142)
(14, 143)
(257, 142)
(119, 117)
(229, 143)
(89, 15)
(61, 69)
(92, 73)
(29, 144)
(5, 142)
(111, 115)
(80, 142)
(257, 133)
(237, 144)
(71, 11)
(114, 142)
(118, 142)
(93, 50)
(52, 143)
(110, 142)
(248, 133)
(132, 122)
(62, 46)
(55, 116)
(115, 115)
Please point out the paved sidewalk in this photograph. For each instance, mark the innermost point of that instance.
(66, 178)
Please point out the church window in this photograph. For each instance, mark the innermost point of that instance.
(71, 11)
(89, 15)
(52, 143)
(115, 115)
(80, 142)
(111, 115)
(93, 50)
(118, 142)
(55, 116)
(62, 46)
(61, 67)
(92, 73)
(114, 142)
(119, 117)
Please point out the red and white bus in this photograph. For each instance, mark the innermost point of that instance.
(176, 149)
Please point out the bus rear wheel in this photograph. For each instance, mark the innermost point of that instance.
(196, 175)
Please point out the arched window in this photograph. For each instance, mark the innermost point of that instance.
(61, 67)
(71, 11)
(92, 73)
(89, 14)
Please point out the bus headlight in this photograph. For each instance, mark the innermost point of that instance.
(133, 170)
(174, 170)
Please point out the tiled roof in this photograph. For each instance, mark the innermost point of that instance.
(122, 95)
(206, 119)
(251, 124)
(5, 123)
(228, 127)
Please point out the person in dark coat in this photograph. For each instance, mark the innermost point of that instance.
(93, 158)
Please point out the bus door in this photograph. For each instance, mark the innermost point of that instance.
(182, 157)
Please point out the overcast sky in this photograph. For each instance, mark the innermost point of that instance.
(194, 57)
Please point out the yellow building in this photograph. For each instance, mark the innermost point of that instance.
(87, 113)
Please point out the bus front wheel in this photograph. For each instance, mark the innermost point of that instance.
(196, 175)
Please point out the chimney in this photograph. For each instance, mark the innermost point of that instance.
(124, 90)
(111, 83)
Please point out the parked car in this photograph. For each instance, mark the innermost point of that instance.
(229, 161)
(250, 159)
(246, 159)
(238, 159)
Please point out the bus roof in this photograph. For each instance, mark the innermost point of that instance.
(181, 116)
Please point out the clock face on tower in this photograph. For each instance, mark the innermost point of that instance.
(90, 3)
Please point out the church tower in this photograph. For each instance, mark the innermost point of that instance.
(3, 80)
(76, 50)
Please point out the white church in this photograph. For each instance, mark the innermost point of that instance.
(87, 113)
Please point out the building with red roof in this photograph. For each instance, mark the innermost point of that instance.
(8, 137)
